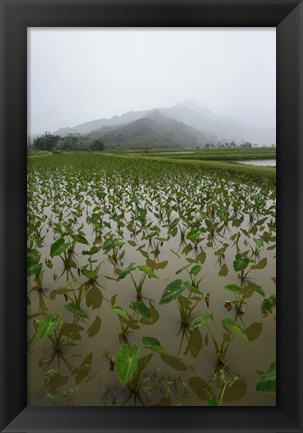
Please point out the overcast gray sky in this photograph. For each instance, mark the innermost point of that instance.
(77, 75)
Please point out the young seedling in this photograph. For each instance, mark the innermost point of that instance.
(138, 285)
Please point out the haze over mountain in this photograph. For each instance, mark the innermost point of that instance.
(183, 125)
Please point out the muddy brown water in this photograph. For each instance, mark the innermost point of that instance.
(82, 374)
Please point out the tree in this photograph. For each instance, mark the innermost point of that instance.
(46, 141)
(97, 144)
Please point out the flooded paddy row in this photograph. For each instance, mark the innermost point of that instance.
(148, 284)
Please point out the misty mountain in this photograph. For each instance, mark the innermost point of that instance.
(86, 128)
(190, 114)
(225, 128)
(154, 130)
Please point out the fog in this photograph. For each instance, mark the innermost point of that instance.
(78, 75)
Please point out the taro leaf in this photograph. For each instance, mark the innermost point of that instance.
(94, 297)
(267, 381)
(268, 305)
(94, 327)
(140, 308)
(240, 263)
(154, 316)
(95, 218)
(63, 288)
(191, 288)
(46, 326)
(235, 392)
(124, 272)
(109, 243)
(172, 291)
(33, 255)
(223, 271)
(81, 239)
(253, 331)
(33, 268)
(255, 287)
(259, 241)
(260, 265)
(154, 265)
(235, 329)
(84, 369)
(92, 275)
(193, 235)
(199, 387)
(174, 223)
(153, 344)
(202, 320)
(101, 195)
(174, 362)
(127, 362)
(58, 247)
(195, 342)
(92, 251)
(76, 310)
(195, 270)
(122, 313)
(72, 330)
(233, 288)
(148, 271)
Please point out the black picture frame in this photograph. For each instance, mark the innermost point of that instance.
(16, 16)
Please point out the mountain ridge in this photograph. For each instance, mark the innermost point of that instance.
(190, 114)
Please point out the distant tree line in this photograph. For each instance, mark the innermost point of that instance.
(232, 145)
(71, 142)
(78, 142)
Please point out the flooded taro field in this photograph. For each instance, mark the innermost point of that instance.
(149, 284)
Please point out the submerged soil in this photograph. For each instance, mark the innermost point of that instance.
(111, 212)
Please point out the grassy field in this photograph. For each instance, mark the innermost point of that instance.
(216, 154)
(214, 159)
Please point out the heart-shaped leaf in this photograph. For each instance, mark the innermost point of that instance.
(124, 272)
(267, 381)
(46, 326)
(140, 308)
(201, 320)
(127, 362)
(58, 247)
(172, 291)
(148, 271)
(240, 263)
(235, 329)
(153, 344)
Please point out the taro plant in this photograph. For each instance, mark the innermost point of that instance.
(146, 271)
(246, 287)
(232, 329)
(267, 381)
(112, 247)
(219, 385)
(51, 327)
(128, 321)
